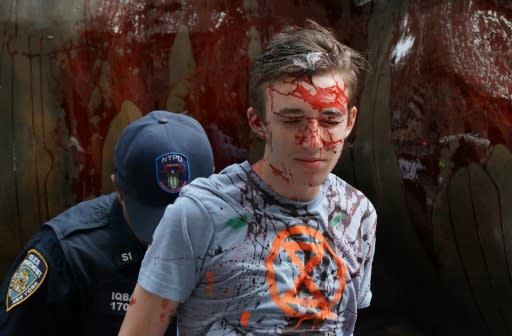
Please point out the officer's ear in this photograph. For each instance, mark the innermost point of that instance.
(119, 194)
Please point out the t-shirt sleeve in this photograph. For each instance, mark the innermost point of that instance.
(368, 228)
(172, 263)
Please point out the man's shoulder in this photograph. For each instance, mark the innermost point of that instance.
(224, 175)
(342, 187)
(218, 191)
(338, 183)
(218, 184)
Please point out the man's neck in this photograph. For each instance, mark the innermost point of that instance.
(283, 186)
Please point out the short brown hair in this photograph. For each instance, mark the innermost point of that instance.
(300, 52)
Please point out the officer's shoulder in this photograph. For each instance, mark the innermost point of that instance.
(86, 215)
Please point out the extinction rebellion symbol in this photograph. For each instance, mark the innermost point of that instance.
(308, 299)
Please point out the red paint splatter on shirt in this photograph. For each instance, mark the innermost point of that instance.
(244, 319)
(209, 285)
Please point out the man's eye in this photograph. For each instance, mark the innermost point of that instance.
(331, 122)
(291, 120)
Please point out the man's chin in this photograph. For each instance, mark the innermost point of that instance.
(311, 180)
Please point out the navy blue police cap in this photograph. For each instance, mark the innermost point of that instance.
(155, 156)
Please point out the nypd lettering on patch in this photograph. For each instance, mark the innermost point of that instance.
(172, 172)
(27, 279)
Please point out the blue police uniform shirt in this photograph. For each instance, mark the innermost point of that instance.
(75, 276)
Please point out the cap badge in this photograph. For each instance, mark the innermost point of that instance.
(172, 172)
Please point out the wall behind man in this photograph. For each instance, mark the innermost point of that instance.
(75, 73)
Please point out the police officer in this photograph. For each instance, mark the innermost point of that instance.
(75, 276)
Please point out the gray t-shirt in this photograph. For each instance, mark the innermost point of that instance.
(244, 261)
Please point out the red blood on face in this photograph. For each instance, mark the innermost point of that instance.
(321, 98)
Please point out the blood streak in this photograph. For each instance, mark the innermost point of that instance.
(278, 172)
(320, 98)
(165, 315)
(311, 133)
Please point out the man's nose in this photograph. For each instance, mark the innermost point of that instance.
(312, 135)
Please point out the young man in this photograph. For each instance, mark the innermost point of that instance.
(76, 275)
(282, 246)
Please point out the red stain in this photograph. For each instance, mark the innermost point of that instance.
(244, 319)
(323, 137)
(320, 99)
(166, 313)
(114, 58)
(279, 173)
(99, 71)
(165, 304)
(210, 277)
(132, 301)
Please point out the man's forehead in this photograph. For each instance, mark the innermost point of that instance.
(332, 80)
(329, 79)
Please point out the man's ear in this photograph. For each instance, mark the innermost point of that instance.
(352, 115)
(256, 123)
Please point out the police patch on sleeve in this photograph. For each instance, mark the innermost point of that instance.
(27, 279)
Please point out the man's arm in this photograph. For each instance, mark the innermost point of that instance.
(147, 314)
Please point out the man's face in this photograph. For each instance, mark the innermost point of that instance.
(306, 124)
